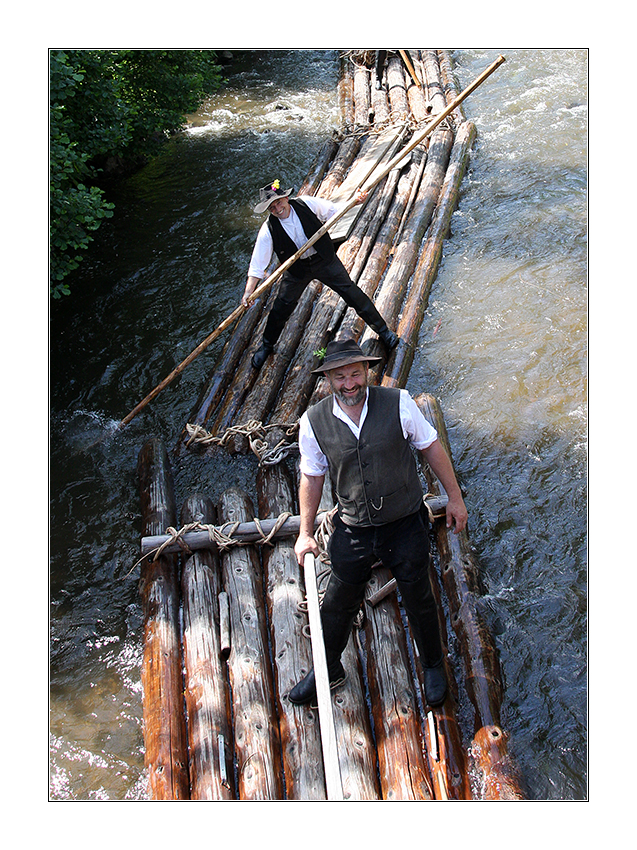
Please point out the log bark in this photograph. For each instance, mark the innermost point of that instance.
(205, 686)
(166, 754)
(450, 87)
(256, 728)
(463, 587)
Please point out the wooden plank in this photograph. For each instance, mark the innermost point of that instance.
(367, 165)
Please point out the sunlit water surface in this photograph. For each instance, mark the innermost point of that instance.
(503, 346)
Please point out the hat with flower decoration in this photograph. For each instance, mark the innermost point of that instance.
(342, 353)
(270, 193)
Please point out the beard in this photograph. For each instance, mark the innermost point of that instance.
(351, 400)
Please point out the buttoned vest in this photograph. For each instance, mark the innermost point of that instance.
(375, 476)
(284, 247)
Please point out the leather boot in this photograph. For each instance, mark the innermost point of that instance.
(261, 355)
(305, 690)
(422, 614)
(338, 610)
(435, 684)
(389, 338)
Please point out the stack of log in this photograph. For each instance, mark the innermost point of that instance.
(237, 736)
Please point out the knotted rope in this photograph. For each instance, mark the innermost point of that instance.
(255, 432)
(220, 535)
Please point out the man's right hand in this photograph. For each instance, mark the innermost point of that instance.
(305, 543)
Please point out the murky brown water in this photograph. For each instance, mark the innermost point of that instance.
(503, 347)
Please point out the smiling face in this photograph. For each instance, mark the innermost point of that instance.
(280, 208)
(349, 383)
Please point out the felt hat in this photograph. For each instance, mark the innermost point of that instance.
(342, 353)
(270, 193)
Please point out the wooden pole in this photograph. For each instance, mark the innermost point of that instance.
(238, 311)
(332, 768)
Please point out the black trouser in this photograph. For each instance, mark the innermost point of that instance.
(403, 547)
(333, 274)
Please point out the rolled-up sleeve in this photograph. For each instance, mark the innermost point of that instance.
(420, 433)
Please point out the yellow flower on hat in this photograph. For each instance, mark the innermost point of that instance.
(276, 185)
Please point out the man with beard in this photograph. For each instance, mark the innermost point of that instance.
(364, 436)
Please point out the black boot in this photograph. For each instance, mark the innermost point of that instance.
(389, 338)
(338, 610)
(422, 614)
(261, 355)
(305, 691)
(435, 684)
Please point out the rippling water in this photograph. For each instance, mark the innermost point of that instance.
(503, 347)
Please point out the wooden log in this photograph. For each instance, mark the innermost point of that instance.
(261, 398)
(416, 303)
(380, 102)
(403, 770)
(463, 586)
(226, 367)
(245, 532)
(397, 89)
(318, 168)
(300, 737)
(450, 87)
(370, 277)
(256, 729)
(435, 90)
(362, 97)
(346, 92)
(444, 749)
(205, 687)
(166, 754)
(341, 163)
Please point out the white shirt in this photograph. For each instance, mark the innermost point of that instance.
(264, 247)
(420, 433)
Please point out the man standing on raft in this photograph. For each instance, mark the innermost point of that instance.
(288, 227)
(364, 436)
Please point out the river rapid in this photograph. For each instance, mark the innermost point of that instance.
(503, 347)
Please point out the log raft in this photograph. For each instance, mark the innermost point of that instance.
(226, 730)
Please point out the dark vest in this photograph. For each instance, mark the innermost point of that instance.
(284, 247)
(375, 477)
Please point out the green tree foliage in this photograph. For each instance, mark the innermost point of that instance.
(110, 103)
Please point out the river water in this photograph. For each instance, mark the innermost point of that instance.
(503, 347)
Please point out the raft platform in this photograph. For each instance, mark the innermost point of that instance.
(224, 600)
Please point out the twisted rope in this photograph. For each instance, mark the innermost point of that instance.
(220, 535)
(255, 432)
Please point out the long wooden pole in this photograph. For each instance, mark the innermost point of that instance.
(333, 781)
(236, 313)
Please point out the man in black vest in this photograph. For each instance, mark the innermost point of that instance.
(364, 436)
(288, 227)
